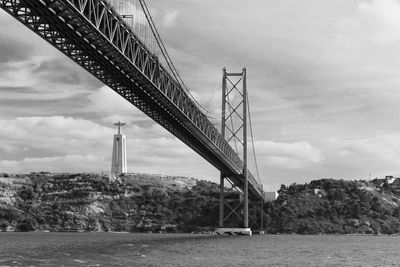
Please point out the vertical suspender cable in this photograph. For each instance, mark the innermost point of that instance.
(165, 54)
(252, 141)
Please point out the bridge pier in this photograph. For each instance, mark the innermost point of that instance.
(221, 201)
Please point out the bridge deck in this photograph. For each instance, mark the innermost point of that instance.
(91, 33)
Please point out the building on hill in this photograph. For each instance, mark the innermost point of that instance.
(389, 179)
(270, 196)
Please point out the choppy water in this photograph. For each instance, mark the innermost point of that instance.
(127, 249)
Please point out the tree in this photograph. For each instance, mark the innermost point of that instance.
(356, 211)
(27, 224)
(26, 193)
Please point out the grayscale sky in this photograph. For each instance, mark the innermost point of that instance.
(323, 81)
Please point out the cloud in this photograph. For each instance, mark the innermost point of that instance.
(57, 144)
(15, 52)
(54, 135)
(375, 150)
(288, 155)
(42, 78)
(68, 163)
(105, 100)
(35, 127)
(373, 29)
(136, 117)
(112, 107)
(169, 18)
(383, 17)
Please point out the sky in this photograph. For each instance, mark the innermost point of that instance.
(323, 82)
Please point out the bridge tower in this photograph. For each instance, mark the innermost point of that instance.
(234, 131)
(118, 162)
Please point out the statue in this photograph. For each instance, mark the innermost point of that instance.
(119, 124)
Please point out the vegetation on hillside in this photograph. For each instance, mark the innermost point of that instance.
(143, 203)
(336, 207)
(89, 202)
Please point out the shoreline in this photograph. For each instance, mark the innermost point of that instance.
(195, 234)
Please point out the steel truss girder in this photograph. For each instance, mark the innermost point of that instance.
(91, 33)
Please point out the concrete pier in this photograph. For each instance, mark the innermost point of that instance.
(233, 231)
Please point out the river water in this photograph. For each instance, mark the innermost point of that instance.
(132, 249)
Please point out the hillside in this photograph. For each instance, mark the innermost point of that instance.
(336, 207)
(143, 203)
(91, 202)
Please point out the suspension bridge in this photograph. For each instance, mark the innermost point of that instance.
(118, 43)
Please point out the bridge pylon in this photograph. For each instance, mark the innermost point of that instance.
(234, 130)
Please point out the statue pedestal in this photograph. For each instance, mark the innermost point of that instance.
(118, 163)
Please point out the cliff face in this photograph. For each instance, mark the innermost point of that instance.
(336, 206)
(88, 202)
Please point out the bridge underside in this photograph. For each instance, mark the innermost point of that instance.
(90, 33)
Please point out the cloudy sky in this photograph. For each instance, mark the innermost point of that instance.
(323, 79)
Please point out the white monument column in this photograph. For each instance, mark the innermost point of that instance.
(118, 163)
